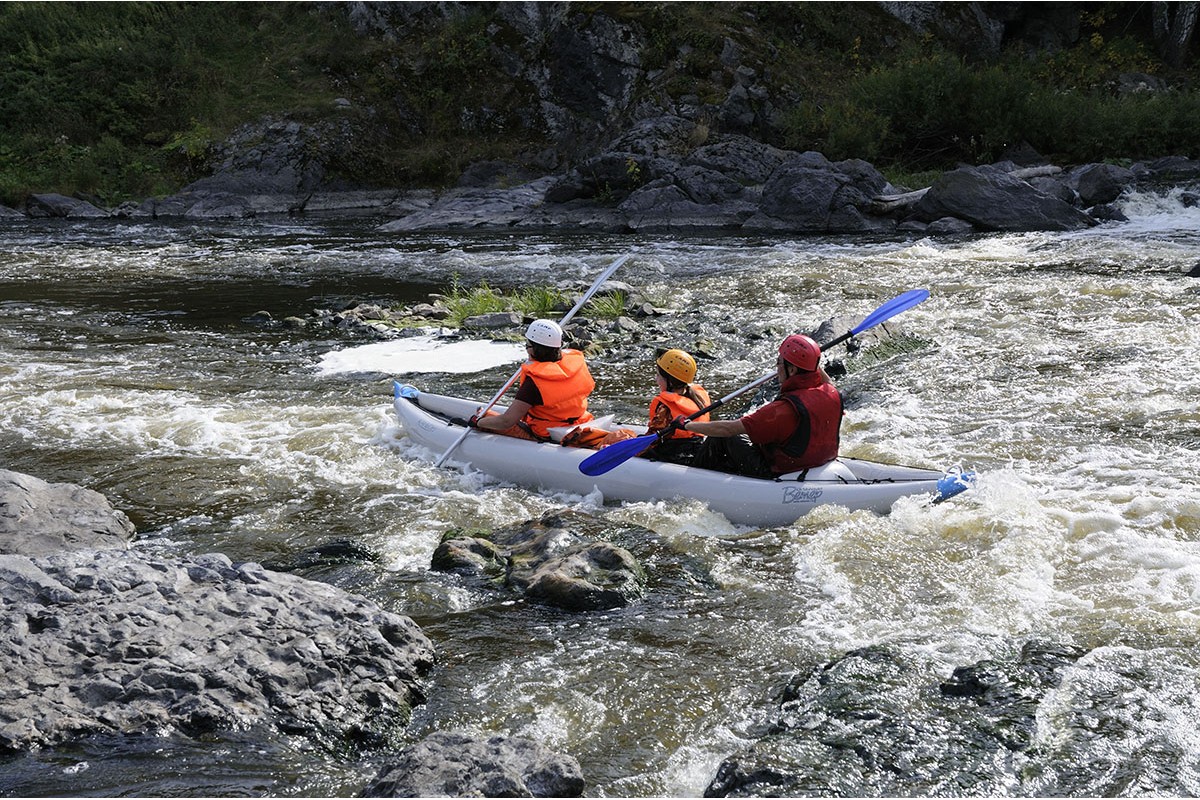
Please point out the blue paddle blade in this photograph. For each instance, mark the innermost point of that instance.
(405, 390)
(891, 308)
(950, 485)
(615, 454)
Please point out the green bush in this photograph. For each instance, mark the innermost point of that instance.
(935, 110)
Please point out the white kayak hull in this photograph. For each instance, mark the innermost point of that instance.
(763, 503)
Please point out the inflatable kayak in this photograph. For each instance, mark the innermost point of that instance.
(436, 422)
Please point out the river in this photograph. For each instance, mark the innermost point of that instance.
(1064, 368)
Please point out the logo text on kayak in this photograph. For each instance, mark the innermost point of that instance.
(797, 495)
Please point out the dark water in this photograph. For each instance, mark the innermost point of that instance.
(1062, 367)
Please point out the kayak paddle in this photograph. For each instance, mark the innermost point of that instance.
(563, 322)
(619, 452)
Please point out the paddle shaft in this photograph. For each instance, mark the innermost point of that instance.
(567, 318)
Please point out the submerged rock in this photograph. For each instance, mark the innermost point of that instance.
(453, 764)
(551, 561)
(876, 724)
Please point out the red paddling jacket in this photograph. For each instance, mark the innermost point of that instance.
(802, 427)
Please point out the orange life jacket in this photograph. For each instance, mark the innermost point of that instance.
(677, 404)
(564, 385)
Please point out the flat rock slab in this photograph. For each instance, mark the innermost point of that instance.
(38, 518)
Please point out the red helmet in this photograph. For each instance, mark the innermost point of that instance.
(800, 351)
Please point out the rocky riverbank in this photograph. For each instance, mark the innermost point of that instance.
(653, 178)
(105, 637)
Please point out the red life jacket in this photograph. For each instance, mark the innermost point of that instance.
(677, 404)
(564, 385)
(818, 407)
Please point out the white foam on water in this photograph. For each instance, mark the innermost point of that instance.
(421, 354)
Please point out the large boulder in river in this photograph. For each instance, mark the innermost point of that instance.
(109, 641)
(57, 205)
(104, 638)
(454, 764)
(993, 199)
(552, 560)
(741, 158)
(1099, 183)
(691, 198)
(39, 518)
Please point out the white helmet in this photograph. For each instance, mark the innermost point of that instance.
(545, 332)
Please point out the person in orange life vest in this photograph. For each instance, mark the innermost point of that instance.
(797, 430)
(553, 389)
(677, 395)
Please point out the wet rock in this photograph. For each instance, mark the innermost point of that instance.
(338, 551)
(1099, 183)
(493, 321)
(810, 194)
(1194, 272)
(453, 764)
(1170, 168)
(1108, 212)
(877, 724)
(549, 562)
(101, 638)
(38, 518)
(476, 208)
(108, 641)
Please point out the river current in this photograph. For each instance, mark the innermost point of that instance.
(1064, 368)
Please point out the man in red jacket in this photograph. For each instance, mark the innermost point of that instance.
(798, 430)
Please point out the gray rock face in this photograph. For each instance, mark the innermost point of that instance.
(992, 199)
(101, 638)
(451, 764)
(57, 205)
(810, 194)
(38, 518)
(111, 641)
(1100, 183)
(740, 158)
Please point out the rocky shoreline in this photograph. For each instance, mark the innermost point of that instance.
(106, 637)
(652, 179)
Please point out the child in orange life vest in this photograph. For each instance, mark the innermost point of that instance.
(677, 396)
(554, 388)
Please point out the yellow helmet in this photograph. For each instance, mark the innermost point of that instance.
(678, 364)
